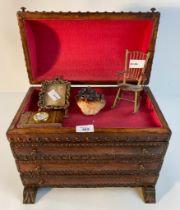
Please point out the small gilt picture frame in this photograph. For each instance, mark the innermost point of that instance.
(54, 94)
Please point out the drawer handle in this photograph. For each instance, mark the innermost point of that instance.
(138, 179)
(34, 152)
(141, 167)
(41, 181)
(145, 151)
(37, 169)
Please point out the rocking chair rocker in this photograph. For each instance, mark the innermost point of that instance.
(133, 77)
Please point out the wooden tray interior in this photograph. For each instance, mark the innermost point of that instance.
(120, 117)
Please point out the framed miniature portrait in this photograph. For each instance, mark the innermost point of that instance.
(54, 94)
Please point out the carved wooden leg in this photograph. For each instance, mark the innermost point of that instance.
(29, 195)
(149, 194)
(136, 101)
(118, 95)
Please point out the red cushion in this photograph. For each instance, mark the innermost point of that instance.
(83, 50)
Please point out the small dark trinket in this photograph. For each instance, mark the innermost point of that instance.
(89, 101)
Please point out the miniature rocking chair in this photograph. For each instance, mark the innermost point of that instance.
(133, 77)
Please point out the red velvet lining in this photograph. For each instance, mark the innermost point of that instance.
(83, 50)
(120, 117)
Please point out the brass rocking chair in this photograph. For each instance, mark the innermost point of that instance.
(133, 77)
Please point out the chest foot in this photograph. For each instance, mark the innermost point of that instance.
(149, 194)
(29, 195)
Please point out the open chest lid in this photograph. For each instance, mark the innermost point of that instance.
(84, 48)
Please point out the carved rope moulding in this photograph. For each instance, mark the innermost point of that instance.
(89, 172)
(45, 144)
(89, 159)
(65, 138)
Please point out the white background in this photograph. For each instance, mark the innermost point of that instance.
(165, 81)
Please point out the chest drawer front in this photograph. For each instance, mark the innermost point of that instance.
(89, 180)
(103, 167)
(88, 152)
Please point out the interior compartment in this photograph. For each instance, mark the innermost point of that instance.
(82, 49)
(90, 50)
(120, 117)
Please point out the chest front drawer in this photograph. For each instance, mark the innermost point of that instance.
(80, 152)
(96, 167)
(89, 180)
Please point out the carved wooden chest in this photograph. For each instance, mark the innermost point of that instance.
(125, 149)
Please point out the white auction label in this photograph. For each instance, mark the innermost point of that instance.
(136, 64)
(54, 95)
(84, 128)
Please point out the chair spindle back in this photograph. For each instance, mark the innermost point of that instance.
(135, 66)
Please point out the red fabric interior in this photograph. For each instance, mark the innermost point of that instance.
(120, 117)
(83, 50)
